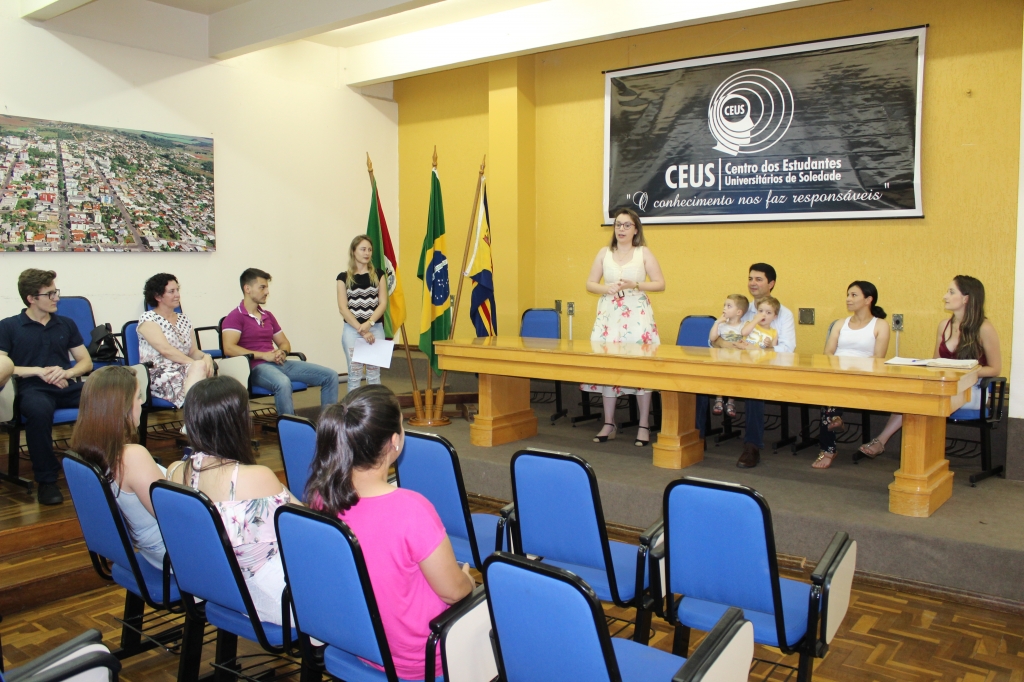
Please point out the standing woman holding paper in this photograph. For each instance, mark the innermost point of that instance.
(362, 300)
(965, 335)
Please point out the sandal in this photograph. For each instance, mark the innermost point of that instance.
(610, 436)
(717, 409)
(730, 410)
(872, 448)
(825, 457)
(639, 442)
(836, 425)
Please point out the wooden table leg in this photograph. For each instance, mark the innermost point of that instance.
(923, 481)
(505, 415)
(679, 443)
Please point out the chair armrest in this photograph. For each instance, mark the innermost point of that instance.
(826, 560)
(649, 536)
(724, 655)
(464, 632)
(87, 638)
(830, 596)
(72, 668)
(505, 525)
(300, 356)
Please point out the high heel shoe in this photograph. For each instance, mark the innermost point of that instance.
(639, 442)
(610, 436)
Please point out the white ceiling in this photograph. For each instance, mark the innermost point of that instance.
(202, 6)
(381, 40)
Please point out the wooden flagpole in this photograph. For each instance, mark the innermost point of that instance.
(405, 337)
(439, 409)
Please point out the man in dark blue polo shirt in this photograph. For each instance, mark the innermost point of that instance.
(38, 342)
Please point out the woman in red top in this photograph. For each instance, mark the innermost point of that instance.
(408, 555)
(966, 335)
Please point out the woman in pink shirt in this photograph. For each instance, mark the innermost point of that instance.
(408, 555)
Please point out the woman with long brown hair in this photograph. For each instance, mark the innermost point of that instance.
(105, 434)
(246, 494)
(966, 335)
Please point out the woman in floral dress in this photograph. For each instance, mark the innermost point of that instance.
(165, 341)
(245, 494)
(624, 312)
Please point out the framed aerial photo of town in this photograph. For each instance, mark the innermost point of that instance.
(81, 188)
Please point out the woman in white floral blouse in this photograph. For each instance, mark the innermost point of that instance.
(624, 312)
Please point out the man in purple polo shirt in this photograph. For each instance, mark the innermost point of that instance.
(249, 329)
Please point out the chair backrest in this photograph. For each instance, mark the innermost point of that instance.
(694, 330)
(330, 587)
(79, 309)
(548, 624)
(558, 509)
(720, 545)
(237, 368)
(204, 563)
(541, 323)
(298, 445)
(428, 464)
(103, 526)
(130, 336)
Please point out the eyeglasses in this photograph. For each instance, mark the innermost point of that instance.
(625, 226)
(52, 295)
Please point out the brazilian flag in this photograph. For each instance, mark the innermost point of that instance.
(436, 314)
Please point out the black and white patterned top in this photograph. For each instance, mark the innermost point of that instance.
(167, 377)
(363, 297)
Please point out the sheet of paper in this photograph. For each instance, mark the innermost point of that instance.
(378, 354)
(905, 361)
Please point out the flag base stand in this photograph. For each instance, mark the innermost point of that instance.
(429, 421)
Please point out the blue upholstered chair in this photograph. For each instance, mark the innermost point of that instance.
(130, 335)
(114, 558)
(335, 603)
(558, 517)
(79, 309)
(10, 414)
(719, 552)
(545, 323)
(205, 567)
(549, 627)
(993, 398)
(298, 445)
(428, 464)
(694, 330)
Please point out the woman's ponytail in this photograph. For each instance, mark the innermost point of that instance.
(352, 434)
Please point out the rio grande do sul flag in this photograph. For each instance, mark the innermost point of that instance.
(384, 259)
(436, 314)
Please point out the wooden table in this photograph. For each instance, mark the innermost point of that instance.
(925, 396)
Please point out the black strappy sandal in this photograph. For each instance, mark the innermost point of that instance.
(641, 443)
(610, 436)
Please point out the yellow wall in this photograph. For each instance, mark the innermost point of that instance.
(970, 142)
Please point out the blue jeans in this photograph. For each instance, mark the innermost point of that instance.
(278, 380)
(754, 417)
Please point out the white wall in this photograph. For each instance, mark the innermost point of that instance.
(290, 144)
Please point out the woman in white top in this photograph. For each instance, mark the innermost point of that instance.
(624, 312)
(105, 434)
(859, 336)
(165, 341)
